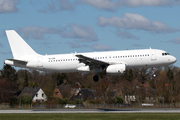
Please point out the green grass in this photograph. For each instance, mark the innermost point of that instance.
(91, 116)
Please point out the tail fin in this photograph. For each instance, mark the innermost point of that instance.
(18, 46)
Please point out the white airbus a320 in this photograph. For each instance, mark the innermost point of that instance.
(112, 62)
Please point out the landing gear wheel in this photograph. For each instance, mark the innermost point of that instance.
(95, 78)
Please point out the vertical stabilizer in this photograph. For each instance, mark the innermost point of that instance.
(18, 46)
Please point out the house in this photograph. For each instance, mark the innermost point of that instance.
(87, 94)
(57, 93)
(36, 93)
(83, 94)
(73, 93)
(62, 91)
(129, 98)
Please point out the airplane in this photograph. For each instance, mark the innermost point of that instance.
(112, 62)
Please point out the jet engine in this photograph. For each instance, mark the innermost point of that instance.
(116, 69)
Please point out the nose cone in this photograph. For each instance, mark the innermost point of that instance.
(173, 59)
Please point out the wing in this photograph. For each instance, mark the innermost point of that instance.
(92, 62)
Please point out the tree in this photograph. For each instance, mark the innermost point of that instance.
(83, 86)
(36, 83)
(78, 101)
(128, 75)
(103, 88)
(8, 73)
(119, 100)
(26, 99)
(62, 101)
(26, 84)
(8, 86)
(47, 84)
(142, 74)
(170, 74)
(163, 86)
(14, 101)
(175, 84)
(6, 91)
(59, 78)
(89, 86)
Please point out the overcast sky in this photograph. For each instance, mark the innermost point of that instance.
(66, 26)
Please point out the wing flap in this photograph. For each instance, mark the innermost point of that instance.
(90, 61)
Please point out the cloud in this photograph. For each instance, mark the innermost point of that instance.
(136, 21)
(137, 45)
(47, 44)
(175, 41)
(139, 3)
(98, 47)
(38, 32)
(81, 32)
(59, 5)
(126, 35)
(107, 5)
(111, 5)
(73, 31)
(95, 47)
(76, 44)
(8, 6)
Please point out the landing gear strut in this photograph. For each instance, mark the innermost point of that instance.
(95, 78)
(153, 72)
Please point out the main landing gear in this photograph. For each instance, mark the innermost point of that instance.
(96, 78)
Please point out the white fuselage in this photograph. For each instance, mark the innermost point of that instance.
(70, 63)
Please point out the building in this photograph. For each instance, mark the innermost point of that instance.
(84, 94)
(62, 91)
(129, 98)
(36, 93)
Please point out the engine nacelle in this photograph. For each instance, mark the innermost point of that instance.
(83, 69)
(116, 69)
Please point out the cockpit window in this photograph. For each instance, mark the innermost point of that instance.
(163, 54)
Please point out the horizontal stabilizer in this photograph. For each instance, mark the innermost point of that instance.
(15, 62)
